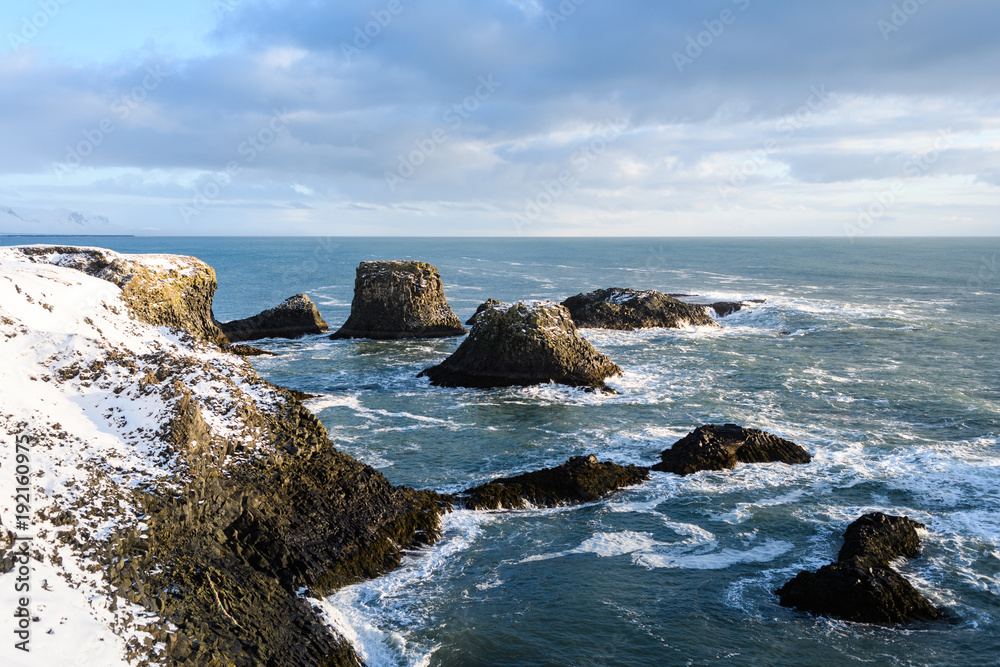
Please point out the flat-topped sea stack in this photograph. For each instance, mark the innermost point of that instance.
(294, 317)
(714, 447)
(629, 309)
(521, 344)
(861, 585)
(582, 479)
(395, 300)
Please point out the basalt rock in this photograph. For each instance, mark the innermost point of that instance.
(399, 300)
(524, 343)
(714, 447)
(163, 290)
(628, 309)
(581, 479)
(483, 306)
(862, 586)
(248, 351)
(294, 317)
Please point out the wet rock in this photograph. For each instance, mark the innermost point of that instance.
(294, 317)
(714, 447)
(163, 290)
(861, 585)
(399, 300)
(579, 480)
(248, 351)
(523, 343)
(628, 309)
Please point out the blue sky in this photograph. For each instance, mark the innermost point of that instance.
(501, 117)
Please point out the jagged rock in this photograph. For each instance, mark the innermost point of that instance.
(628, 309)
(714, 447)
(294, 317)
(248, 351)
(524, 343)
(861, 586)
(483, 306)
(581, 479)
(164, 290)
(399, 300)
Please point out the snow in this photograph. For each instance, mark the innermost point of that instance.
(71, 364)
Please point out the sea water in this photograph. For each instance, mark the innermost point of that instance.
(879, 356)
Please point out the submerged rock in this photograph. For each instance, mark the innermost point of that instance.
(294, 317)
(524, 343)
(581, 479)
(714, 447)
(629, 309)
(861, 585)
(399, 300)
(163, 290)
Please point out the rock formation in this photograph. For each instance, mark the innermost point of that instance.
(524, 343)
(628, 309)
(197, 502)
(163, 290)
(581, 479)
(714, 447)
(294, 317)
(399, 300)
(861, 585)
(483, 306)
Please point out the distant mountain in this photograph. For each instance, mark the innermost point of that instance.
(56, 221)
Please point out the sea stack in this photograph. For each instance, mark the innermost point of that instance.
(294, 317)
(629, 309)
(714, 447)
(523, 343)
(395, 300)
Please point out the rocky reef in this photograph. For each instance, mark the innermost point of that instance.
(192, 526)
(163, 290)
(294, 317)
(523, 343)
(861, 585)
(399, 300)
(581, 479)
(714, 447)
(629, 309)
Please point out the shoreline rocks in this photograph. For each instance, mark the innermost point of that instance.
(714, 447)
(294, 317)
(628, 309)
(581, 479)
(522, 344)
(861, 585)
(394, 300)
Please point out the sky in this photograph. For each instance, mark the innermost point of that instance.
(501, 117)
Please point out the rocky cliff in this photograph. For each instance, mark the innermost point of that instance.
(294, 317)
(399, 300)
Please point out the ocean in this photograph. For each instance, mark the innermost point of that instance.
(879, 356)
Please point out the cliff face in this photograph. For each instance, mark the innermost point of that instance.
(186, 504)
(399, 300)
(164, 290)
(523, 343)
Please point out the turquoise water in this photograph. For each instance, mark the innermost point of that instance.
(889, 377)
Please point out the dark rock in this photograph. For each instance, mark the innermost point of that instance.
(861, 586)
(723, 308)
(714, 447)
(483, 306)
(399, 300)
(523, 344)
(628, 309)
(579, 480)
(248, 351)
(294, 317)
